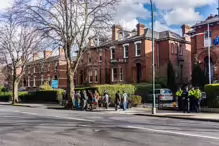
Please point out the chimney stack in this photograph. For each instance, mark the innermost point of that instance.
(140, 29)
(35, 56)
(115, 30)
(185, 30)
(47, 54)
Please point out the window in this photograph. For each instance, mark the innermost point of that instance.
(28, 70)
(48, 79)
(126, 50)
(89, 58)
(114, 74)
(96, 78)
(28, 81)
(100, 57)
(181, 50)
(177, 48)
(90, 77)
(138, 48)
(42, 68)
(56, 66)
(48, 67)
(42, 80)
(34, 69)
(113, 53)
(208, 42)
(172, 48)
(121, 74)
(34, 81)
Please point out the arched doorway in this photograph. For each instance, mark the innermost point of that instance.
(139, 72)
(206, 67)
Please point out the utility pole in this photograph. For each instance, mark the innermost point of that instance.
(153, 64)
(209, 55)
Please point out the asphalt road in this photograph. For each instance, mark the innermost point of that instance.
(20, 126)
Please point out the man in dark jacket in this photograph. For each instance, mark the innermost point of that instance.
(117, 101)
(185, 96)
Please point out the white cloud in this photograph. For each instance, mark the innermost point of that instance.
(5, 3)
(128, 11)
(163, 27)
(182, 16)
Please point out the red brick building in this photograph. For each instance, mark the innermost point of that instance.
(200, 44)
(127, 57)
(46, 69)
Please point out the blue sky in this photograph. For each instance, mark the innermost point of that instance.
(169, 14)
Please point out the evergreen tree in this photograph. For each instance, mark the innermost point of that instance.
(171, 82)
(199, 78)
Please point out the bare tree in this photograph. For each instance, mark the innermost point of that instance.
(70, 22)
(18, 42)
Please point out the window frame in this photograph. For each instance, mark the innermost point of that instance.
(136, 48)
(34, 81)
(112, 56)
(114, 75)
(126, 46)
(121, 74)
(90, 76)
(42, 79)
(181, 50)
(96, 76)
(172, 48)
(28, 81)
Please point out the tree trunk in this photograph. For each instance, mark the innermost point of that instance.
(70, 85)
(15, 92)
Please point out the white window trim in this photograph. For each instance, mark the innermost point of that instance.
(48, 67)
(124, 50)
(113, 80)
(111, 54)
(172, 48)
(96, 76)
(42, 79)
(34, 81)
(90, 76)
(34, 69)
(137, 42)
(28, 81)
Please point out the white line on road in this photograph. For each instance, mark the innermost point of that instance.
(172, 132)
(60, 117)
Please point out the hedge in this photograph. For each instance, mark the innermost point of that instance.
(212, 94)
(132, 89)
(6, 96)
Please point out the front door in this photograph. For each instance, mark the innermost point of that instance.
(139, 72)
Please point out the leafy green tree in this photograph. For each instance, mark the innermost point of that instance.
(171, 82)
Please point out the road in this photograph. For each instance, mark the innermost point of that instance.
(21, 126)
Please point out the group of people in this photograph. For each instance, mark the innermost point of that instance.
(189, 100)
(84, 100)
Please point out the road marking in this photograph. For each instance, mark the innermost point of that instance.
(172, 132)
(60, 117)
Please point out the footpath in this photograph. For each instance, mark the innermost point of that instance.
(138, 111)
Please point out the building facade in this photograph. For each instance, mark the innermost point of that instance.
(39, 71)
(201, 40)
(127, 57)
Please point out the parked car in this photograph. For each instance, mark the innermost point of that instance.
(162, 96)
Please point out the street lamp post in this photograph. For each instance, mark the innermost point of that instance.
(153, 64)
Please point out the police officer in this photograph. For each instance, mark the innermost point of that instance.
(179, 96)
(185, 100)
(192, 99)
(198, 96)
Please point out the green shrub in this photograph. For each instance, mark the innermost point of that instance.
(212, 94)
(136, 100)
(46, 87)
(7, 96)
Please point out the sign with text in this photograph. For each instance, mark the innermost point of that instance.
(55, 84)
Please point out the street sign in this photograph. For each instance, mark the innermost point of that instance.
(55, 84)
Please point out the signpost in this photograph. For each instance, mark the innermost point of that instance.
(55, 84)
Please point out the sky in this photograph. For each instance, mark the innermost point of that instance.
(169, 14)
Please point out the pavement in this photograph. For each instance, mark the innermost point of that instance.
(24, 126)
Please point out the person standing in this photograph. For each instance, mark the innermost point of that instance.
(185, 95)
(90, 99)
(124, 100)
(192, 99)
(179, 97)
(106, 99)
(83, 100)
(198, 96)
(117, 100)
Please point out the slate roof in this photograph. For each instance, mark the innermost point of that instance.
(210, 19)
